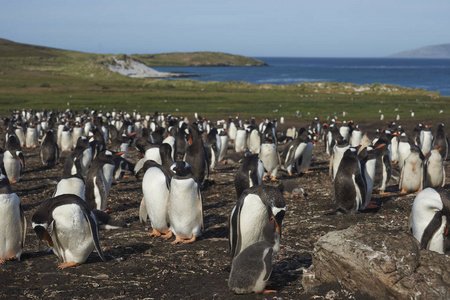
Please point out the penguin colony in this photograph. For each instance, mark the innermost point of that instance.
(178, 158)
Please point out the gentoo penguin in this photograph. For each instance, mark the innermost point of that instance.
(338, 152)
(13, 224)
(32, 137)
(195, 156)
(252, 267)
(368, 161)
(291, 189)
(99, 179)
(303, 163)
(411, 178)
(349, 186)
(435, 170)
(253, 210)
(66, 139)
(429, 218)
(395, 141)
(269, 156)
(82, 154)
(213, 147)
(356, 137)
(382, 168)
(77, 132)
(440, 140)
(404, 149)
(73, 226)
(250, 173)
(49, 151)
(156, 189)
(254, 140)
(223, 135)
(13, 159)
(71, 183)
(426, 140)
(240, 141)
(181, 139)
(292, 152)
(185, 205)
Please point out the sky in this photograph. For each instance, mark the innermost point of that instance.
(291, 28)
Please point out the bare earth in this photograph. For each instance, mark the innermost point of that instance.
(142, 267)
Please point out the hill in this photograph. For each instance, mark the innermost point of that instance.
(435, 51)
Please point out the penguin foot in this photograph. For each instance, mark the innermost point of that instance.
(67, 265)
(2, 261)
(269, 291)
(273, 179)
(394, 162)
(184, 241)
(167, 235)
(154, 233)
(384, 193)
(109, 210)
(403, 192)
(371, 205)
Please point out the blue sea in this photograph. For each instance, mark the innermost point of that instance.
(428, 74)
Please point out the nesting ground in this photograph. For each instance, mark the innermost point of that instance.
(139, 266)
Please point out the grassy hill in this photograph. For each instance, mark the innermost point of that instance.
(40, 77)
(196, 59)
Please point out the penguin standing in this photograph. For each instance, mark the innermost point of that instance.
(411, 178)
(269, 156)
(240, 141)
(49, 151)
(435, 170)
(368, 162)
(13, 224)
(292, 153)
(32, 136)
(66, 140)
(13, 159)
(440, 140)
(77, 132)
(186, 204)
(426, 140)
(213, 147)
(253, 210)
(74, 229)
(195, 156)
(254, 140)
(338, 152)
(71, 183)
(349, 186)
(429, 218)
(382, 168)
(404, 149)
(99, 179)
(156, 190)
(223, 135)
(251, 269)
(303, 163)
(356, 137)
(250, 173)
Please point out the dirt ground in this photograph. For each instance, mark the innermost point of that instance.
(142, 267)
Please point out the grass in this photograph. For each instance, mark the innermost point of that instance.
(34, 77)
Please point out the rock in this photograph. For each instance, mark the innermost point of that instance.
(379, 264)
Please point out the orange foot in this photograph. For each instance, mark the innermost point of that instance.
(291, 174)
(403, 192)
(109, 210)
(264, 178)
(384, 193)
(154, 233)
(67, 265)
(184, 241)
(2, 261)
(167, 235)
(371, 205)
(269, 291)
(273, 179)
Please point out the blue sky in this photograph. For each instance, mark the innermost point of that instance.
(320, 28)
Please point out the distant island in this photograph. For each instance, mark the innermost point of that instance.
(435, 51)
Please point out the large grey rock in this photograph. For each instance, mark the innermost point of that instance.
(380, 264)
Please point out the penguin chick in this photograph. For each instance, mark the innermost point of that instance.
(251, 269)
(185, 205)
(429, 218)
(411, 178)
(74, 229)
(291, 189)
(13, 223)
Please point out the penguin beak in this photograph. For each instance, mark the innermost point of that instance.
(276, 225)
(120, 153)
(132, 134)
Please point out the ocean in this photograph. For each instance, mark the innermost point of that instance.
(428, 74)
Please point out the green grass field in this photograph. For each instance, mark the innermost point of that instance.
(33, 77)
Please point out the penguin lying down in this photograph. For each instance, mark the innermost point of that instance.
(291, 190)
(73, 226)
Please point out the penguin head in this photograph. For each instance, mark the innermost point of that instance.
(5, 186)
(181, 168)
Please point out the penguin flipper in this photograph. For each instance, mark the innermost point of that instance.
(200, 205)
(143, 215)
(23, 225)
(362, 188)
(90, 216)
(268, 264)
(431, 228)
(235, 239)
(102, 190)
